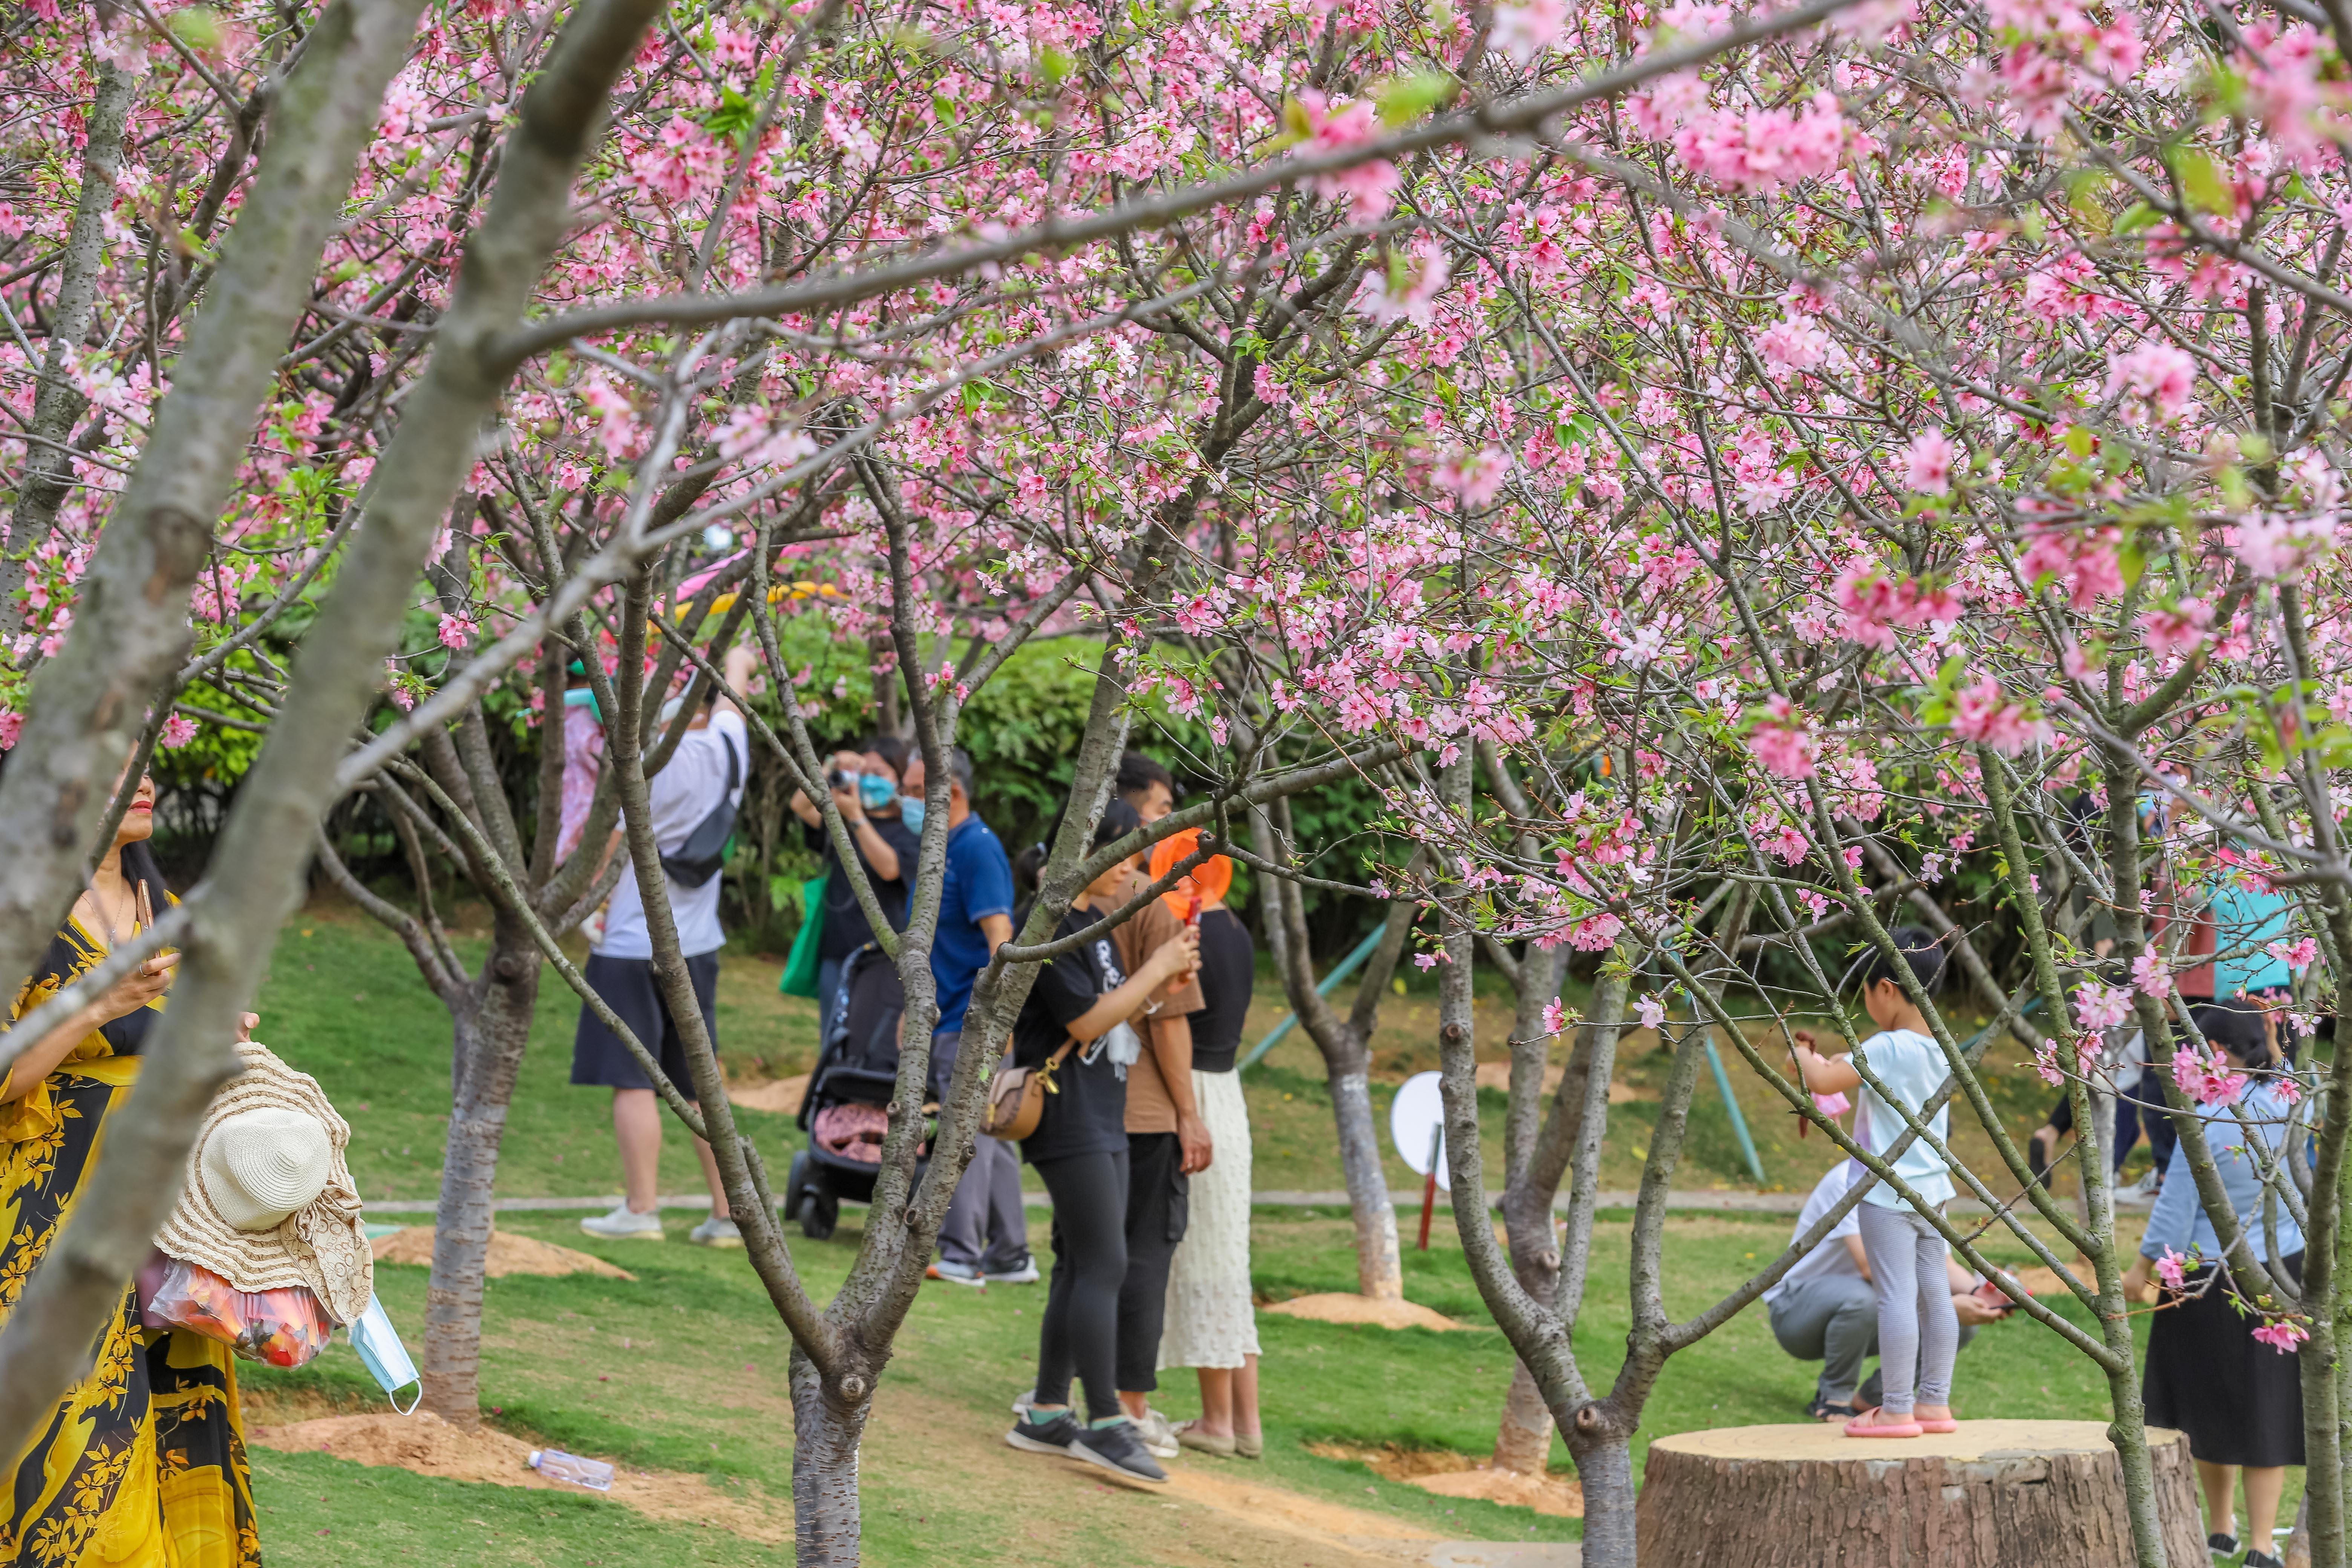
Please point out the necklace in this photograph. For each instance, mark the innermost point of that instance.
(105, 916)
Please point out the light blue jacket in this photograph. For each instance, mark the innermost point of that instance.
(2178, 1220)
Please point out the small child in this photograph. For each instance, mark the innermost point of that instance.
(1918, 1329)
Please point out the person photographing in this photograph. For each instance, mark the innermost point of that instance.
(1918, 1332)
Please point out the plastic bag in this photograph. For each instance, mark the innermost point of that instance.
(280, 1327)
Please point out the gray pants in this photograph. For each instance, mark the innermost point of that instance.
(1833, 1319)
(986, 1227)
(1918, 1333)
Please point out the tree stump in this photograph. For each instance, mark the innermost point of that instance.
(1995, 1494)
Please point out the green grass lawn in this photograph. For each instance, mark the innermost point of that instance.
(684, 1369)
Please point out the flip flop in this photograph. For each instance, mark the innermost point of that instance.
(1863, 1426)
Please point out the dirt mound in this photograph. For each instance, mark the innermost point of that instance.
(429, 1445)
(509, 1254)
(1344, 1307)
(1459, 1475)
(1293, 1514)
(780, 1096)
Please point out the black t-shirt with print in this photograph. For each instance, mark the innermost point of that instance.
(1228, 967)
(1088, 1116)
(846, 927)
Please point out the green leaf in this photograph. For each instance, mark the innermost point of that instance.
(2137, 217)
(2200, 182)
(1407, 98)
(198, 26)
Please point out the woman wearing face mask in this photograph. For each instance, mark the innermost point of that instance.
(1083, 1000)
(865, 787)
(143, 1460)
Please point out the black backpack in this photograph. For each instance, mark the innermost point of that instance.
(698, 859)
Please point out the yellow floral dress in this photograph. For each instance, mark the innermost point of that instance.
(143, 1463)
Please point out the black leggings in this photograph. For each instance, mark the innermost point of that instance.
(1080, 1333)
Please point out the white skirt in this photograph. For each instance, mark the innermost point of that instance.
(1212, 1318)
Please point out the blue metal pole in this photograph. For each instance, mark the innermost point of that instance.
(1347, 965)
(1731, 1104)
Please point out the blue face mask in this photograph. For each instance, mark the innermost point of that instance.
(910, 812)
(383, 1355)
(876, 792)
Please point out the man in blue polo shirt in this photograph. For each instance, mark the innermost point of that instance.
(985, 1237)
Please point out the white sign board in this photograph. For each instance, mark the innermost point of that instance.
(1416, 1115)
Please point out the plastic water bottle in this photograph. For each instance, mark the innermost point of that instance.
(562, 1467)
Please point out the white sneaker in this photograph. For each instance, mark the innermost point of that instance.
(1025, 1274)
(1159, 1436)
(716, 1231)
(2151, 1179)
(955, 1274)
(625, 1224)
(1023, 1402)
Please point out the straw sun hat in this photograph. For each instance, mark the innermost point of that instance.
(269, 1201)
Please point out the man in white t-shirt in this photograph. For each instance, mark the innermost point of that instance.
(704, 776)
(1823, 1309)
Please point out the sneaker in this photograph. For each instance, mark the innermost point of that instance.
(2263, 1560)
(625, 1224)
(1159, 1437)
(1023, 1401)
(1022, 1273)
(954, 1273)
(2222, 1543)
(1822, 1410)
(1058, 1434)
(1118, 1447)
(2149, 1181)
(716, 1231)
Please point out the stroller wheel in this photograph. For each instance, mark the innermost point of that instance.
(819, 1212)
(796, 1179)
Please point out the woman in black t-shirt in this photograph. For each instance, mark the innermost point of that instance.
(1080, 1152)
(869, 802)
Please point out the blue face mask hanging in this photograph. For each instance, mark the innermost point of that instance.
(910, 812)
(385, 1356)
(876, 792)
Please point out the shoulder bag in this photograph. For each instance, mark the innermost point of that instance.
(1017, 1097)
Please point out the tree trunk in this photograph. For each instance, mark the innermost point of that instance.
(827, 1427)
(1604, 1468)
(488, 1045)
(1992, 1494)
(1522, 1441)
(1379, 1269)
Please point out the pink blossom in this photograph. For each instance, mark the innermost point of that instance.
(1671, 103)
(2280, 546)
(1475, 477)
(2150, 976)
(2302, 955)
(1407, 290)
(2283, 1335)
(2045, 1063)
(1555, 1017)
(2172, 1268)
(1526, 29)
(1596, 934)
(1368, 187)
(1927, 463)
(1783, 742)
(2159, 373)
(1790, 844)
(2179, 631)
(2206, 1082)
(1268, 385)
(2102, 1006)
(1981, 713)
(1763, 149)
(11, 726)
(178, 730)
(1791, 344)
(456, 631)
(1653, 1012)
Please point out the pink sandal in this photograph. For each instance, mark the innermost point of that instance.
(1945, 1424)
(1863, 1426)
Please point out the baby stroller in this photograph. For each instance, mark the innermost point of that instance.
(845, 1113)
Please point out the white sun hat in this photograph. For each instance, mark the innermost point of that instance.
(270, 1201)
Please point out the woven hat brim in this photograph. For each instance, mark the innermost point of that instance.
(320, 1246)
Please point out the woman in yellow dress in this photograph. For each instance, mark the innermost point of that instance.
(142, 1465)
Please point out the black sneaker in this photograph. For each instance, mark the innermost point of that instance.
(1118, 1447)
(1058, 1434)
(1822, 1410)
(2222, 1543)
(2263, 1560)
